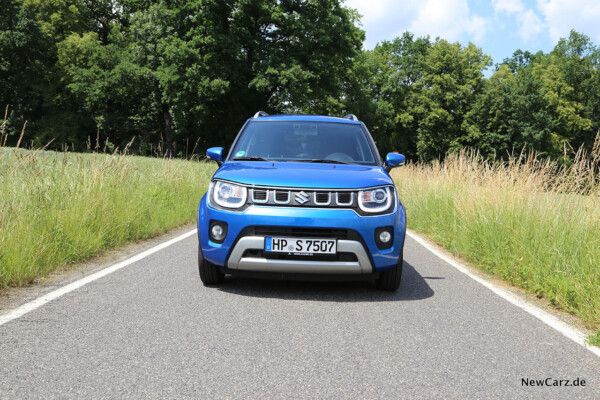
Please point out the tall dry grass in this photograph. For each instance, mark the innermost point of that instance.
(529, 221)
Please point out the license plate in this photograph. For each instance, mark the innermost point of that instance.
(298, 246)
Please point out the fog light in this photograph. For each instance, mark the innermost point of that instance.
(218, 231)
(385, 237)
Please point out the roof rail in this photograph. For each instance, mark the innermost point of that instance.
(260, 114)
(351, 116)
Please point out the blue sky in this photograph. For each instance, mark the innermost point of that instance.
(499, 27)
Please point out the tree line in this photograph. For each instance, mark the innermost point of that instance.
(178, 76)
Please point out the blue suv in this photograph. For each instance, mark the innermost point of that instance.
(302, 196)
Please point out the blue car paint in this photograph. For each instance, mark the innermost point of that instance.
(299, 217)
(303, 175)
(215, 153)
(394, 160)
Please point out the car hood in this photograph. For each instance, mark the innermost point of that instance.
(303, 175)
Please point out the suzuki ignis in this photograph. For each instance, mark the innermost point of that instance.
(302, 197)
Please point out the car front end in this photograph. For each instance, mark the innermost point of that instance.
(295, 219)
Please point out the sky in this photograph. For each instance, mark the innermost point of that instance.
(499, 27)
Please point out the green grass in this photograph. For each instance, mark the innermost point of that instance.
(594, 339)
(527, 222)
(60, 208)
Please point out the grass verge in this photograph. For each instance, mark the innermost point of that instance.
(527, 221)
(60, 208)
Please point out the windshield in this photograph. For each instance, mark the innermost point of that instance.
(304, 141)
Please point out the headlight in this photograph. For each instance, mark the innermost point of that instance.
(375, 200)
(229, 195)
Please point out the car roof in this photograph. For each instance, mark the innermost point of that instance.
(304, 117)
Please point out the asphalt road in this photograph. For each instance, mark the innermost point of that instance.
(151, 330)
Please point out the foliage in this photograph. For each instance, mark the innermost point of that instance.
(179, 72)
(22, 58)
(452, 79)
(511, 114)
(384, 89)
(183, 74)
(594, 339)
(546, 102)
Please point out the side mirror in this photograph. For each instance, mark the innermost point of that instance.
(216, 154)
(393, 160)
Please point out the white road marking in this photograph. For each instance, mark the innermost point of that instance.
(569, 331)
(40, 301)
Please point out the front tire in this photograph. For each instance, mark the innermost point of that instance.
(390, 280)
(210, 274)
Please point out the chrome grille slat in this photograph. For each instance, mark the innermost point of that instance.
(303, 197)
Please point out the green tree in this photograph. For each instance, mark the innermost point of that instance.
(199, 68)
(571, 81)
(545, 102)
(451, 81)
(511, 114)
(52, 112)
(22, 57)
(386, 86)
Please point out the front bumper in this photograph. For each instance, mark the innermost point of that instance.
(236, 260)
(233, 252)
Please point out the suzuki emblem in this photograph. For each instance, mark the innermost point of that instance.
(302, 197)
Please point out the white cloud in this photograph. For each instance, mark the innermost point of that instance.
(384, 19)
(372, 11)
(563, 15)
(530, 25)
(508, 6)
(448, 19)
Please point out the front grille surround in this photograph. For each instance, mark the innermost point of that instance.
(301, 197)
(317, 198)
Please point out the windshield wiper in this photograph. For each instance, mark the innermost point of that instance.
(323, 161)
(250, 159)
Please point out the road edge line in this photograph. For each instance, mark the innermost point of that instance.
(48, 297)
(567, 330)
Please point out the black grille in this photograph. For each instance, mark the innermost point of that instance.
(322, 197)
(327, 233)
(260, 195)
(314, 257)
(344, 197)
(282, 197)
